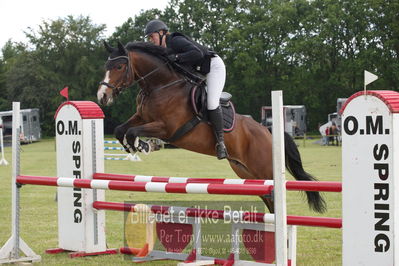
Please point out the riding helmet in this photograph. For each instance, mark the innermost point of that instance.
(155, 25)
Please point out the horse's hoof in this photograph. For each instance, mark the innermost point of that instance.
(146, 147)
(142, 146)
(127, 146)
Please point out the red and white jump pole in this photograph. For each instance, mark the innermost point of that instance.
(187, 188)
(220, 214)
(323, 186)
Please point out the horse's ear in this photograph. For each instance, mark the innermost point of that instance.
(108, 47)
(122, 48)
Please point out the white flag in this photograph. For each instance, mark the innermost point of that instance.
(369, 77)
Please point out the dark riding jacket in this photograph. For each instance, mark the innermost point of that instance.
(189, 52)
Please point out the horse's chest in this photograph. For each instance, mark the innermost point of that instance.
(148, 110)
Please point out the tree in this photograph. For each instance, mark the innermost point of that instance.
(65, 52)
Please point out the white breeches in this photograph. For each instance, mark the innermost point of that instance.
(215, 80)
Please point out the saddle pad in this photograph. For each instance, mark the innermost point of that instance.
(228, 117)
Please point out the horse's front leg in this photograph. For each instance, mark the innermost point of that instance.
(120, 131)
(154, 129)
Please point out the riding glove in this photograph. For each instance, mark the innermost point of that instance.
(173, 58)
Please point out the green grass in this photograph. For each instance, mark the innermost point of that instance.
(316, 246)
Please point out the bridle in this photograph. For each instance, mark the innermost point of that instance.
(130, 74)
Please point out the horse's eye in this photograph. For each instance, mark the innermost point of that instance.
(119, 67)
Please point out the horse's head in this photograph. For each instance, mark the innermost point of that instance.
(119, 74)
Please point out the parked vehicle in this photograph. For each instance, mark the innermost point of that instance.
(30, 125)
(294, 119)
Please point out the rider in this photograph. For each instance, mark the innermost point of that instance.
(187, 52)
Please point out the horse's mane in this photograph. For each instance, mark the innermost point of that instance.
(149, 48)
(161, 53)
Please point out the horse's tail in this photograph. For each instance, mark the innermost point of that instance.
(294, 165)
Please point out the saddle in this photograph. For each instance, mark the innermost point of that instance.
(198, 96)
(199, 104)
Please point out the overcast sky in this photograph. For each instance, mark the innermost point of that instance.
(17, 15)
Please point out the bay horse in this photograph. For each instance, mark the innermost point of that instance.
(163, 106)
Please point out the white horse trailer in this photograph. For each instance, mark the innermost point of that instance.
(30, 125)
(294, 119)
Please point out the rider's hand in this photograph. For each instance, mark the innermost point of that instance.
(173, 58)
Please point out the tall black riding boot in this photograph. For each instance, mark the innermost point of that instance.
(216, 119)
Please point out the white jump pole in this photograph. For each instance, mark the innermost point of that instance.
(3, 160)
(10, 252)
(279, 179)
